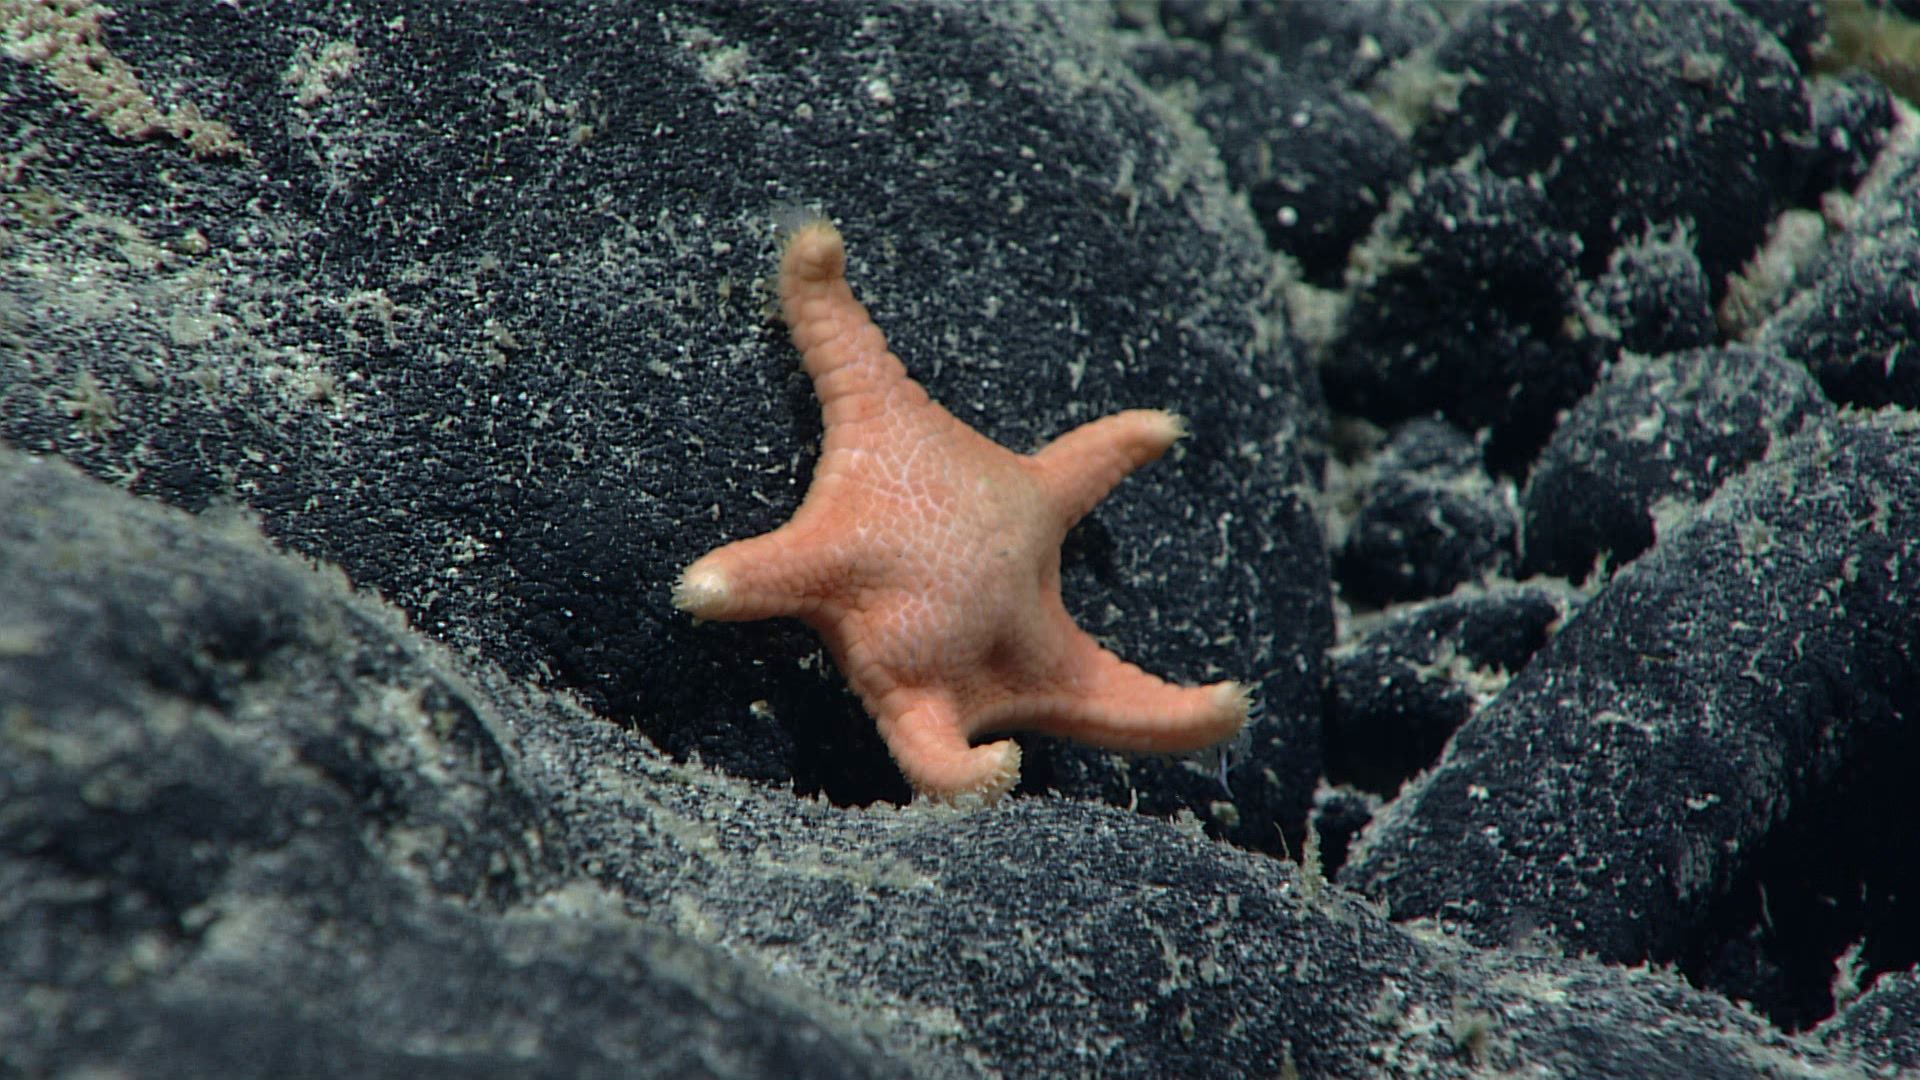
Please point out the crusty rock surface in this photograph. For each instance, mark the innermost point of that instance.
(255, 825)
(468, 301)
(1619, 784)
(476, 317)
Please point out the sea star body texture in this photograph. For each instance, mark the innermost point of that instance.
(928, 558)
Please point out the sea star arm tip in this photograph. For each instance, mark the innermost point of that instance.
(928, 744)
(840, 347)
(1082, 466)
(783, 572)
(1118, 706)
(813, 252)
(1233, 699)
(701, 591)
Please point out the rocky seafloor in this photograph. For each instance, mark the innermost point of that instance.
(369, 370)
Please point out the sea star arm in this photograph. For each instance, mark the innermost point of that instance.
(1120, 707)
(855, 376)
(788, 571)
(1079, 468)
(1106, 702)
(923, 732)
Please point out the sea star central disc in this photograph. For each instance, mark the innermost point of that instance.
(928, 558)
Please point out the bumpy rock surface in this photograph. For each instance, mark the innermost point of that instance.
(1665, 430)
(1616, 786)
(1465, 305)
(1406, 680)
(1429, 519)
(256, 826)
(1630, 116)
(469, 301)
(1654, 296)
(1852, 116)
(1856, 315)
(1885, 1020)
(1316, 166)
(475, 316)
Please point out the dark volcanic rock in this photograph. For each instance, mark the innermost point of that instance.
(1654, 298)
(1838, 871)
(1404, 684)
(1431, 519)
(1852, 118)
(1465, 305)
(1339, 44)
(1884, 1021)
(1618, 784)
(255, 826)
(475, 317)
(1339, 813)
(1856, 315)
(1856, 324)
(1631, 115)
(1548, 138)
(1798, 25)
(1671, 428)
(1316, 166)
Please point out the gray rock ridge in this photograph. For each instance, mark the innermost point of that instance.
(1407, 679)
(255, 825)
(1850, 315)
(1429, 519)
(479, 315)
(1657, 435)
(1623, 780)
(1885, 1021)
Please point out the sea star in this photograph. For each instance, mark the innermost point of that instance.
(928, 558)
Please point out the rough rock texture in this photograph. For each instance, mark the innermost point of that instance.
(1316, 166)
(1884, 1020)
(1631, 116)
(1340, 811)
(1402, 683)
(1852, 115)
(1654, 297)
(1560, 100)
(469, 300)
(476, 317)
(1341, 44)
(1800, 26)
(1855, 316)
(1818, 909)
(1619, 783)
(1656, 436)
(1546, 137)
(1465, 305)
(1430, 519)
(1855, 325)
(256, 826)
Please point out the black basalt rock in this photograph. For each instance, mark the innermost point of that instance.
(1665, 430)
(1429, 520)
(1615, 789)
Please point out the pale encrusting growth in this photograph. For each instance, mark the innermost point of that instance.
(63, 38)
